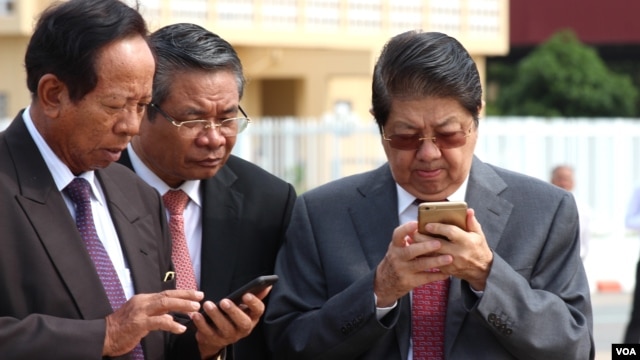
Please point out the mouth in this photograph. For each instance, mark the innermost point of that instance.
(428, 173)
(210, 162)
(113, 154)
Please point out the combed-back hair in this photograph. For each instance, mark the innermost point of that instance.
(187, 47)
(415, 65)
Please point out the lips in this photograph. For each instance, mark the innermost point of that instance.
(114, 153)
(210, 162)
(428, 173)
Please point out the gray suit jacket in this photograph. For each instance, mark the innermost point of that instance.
(536, 304)
(245, 212)
(52, 304)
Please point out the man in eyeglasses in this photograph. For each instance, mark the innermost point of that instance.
(235, 213)
(357, 279)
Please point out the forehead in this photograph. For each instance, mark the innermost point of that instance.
(198, 86)
(126, 67)
(427, 112)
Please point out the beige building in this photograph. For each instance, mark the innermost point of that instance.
(302, 58)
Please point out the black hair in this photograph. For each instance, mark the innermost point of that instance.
(417, 64)
(68, 37)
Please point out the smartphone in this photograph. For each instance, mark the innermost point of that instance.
(445, 212)
(254, 286)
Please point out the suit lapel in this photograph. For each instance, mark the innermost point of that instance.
(139, 248)
(47, 211)
(492, 211)
(375, 217)
(222, 211)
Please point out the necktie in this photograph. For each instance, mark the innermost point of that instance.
(428, 310)
(79, 191)
(429, 305)
(176, 201)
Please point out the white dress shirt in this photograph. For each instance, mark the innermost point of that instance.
(192, 213)
(62, 176)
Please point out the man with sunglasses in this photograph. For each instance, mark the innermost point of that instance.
(358, 281)
(236, 213)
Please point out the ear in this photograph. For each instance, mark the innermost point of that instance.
(482, 107)
(52, 95)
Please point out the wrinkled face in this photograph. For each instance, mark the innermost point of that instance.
(91, 133)
(194, 95)
(430, 173)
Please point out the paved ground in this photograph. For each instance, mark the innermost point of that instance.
(610, 316)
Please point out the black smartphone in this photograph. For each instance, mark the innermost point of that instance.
(254, 286)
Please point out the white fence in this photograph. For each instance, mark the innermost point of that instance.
(604, 152)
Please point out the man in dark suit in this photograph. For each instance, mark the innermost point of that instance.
(357, 279)
(236, 213)
(85, 259)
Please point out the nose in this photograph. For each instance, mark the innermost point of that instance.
(428, 150)
(211, 137)
(129, 123)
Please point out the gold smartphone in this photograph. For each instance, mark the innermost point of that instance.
(445, 212)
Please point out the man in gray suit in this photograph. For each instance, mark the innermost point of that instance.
(512, 286)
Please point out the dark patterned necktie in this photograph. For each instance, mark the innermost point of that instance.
(79, 191)
(428, 310)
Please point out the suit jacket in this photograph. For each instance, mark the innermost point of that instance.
(536, 304)
(244, 217)
(52, 304)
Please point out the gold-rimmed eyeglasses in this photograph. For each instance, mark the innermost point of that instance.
(196, 128)
(448, 140)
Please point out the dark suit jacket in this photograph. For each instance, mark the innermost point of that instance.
(52, 304)
(536, 304)
(245, 214)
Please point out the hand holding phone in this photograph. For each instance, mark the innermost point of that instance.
(445, 212)
(255, 286)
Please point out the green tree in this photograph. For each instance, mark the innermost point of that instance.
(563, 77)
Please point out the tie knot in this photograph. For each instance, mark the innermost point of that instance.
(418, 201)
(79, 191)
(175, 201)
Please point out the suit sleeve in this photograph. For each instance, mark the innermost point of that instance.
(543, 312)
(304, 319)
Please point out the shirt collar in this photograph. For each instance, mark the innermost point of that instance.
(60, 172)
(190, 187)
(405, 199)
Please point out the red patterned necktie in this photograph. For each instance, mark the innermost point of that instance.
(176, 201)
(428, 312)
(429, 307)
(79, 191)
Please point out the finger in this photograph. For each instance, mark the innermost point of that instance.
(165, 302)
(429, 263)
(254, 306)
(262, 294)
(240, 320)
(166, 322)
(404, 233)
(193, 295)
(472, 222)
